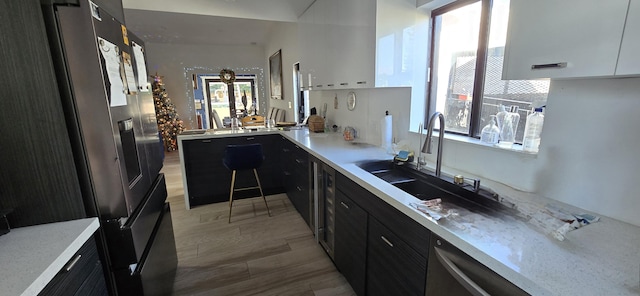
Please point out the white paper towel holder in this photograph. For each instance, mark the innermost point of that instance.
(387, 133)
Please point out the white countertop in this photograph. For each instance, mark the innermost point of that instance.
(598, 259)
(31, 256)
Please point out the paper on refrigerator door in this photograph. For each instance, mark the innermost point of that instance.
(111, 54)
(138, 55)
(129, 74)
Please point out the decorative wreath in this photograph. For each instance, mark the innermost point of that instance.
(227, 76)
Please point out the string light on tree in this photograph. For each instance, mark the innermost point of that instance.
(169, 123)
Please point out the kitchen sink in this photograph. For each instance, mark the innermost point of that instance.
(426, 186)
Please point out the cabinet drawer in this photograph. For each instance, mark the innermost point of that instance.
(72, 276)
(393, 268)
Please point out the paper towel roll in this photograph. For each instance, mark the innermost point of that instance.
(387, 133)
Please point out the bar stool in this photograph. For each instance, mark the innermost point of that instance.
(240, 158)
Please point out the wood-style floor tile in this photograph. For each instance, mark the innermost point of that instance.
(255, 254)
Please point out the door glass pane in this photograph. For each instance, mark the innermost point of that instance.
(219, 98)
(244, 88)
(456, 44)
(521, 93)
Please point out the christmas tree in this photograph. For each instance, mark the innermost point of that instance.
(169, 123)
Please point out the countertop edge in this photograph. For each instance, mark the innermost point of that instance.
(50, 272)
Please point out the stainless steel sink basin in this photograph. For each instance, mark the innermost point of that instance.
(425, 186)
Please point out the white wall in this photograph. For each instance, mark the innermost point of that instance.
(366, 118)
(285, 37)
(173, 61)
(589, 151)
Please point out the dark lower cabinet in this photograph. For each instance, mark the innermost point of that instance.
(295, 177)
(350, 250)
(82, 275)
(393, 268)
(379, 250)
(208, 180)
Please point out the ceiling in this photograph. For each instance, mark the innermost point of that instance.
(209, 22)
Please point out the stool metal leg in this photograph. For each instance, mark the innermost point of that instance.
(261, 193)
(233, 181)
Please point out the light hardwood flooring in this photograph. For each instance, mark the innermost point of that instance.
(254, 255)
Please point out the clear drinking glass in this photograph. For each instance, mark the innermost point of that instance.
(234, 124)
(269, 123)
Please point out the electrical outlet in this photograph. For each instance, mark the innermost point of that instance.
(289, 105)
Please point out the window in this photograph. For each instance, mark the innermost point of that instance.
(217, 96)
(468, 41)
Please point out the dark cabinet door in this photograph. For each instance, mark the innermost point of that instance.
(350, 251)
(295, 174)
(81, 274)
(393, 268)
(209, 181)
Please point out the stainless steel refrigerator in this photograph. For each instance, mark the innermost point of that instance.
(80, 136)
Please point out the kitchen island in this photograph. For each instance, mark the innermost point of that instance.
(599, 259)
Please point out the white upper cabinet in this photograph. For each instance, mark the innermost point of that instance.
(564, 39)
(629, 60)
(337, 43)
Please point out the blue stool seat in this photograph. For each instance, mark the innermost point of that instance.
(241, 158)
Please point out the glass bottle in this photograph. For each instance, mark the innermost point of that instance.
(490, 133)
(509, 127)
(532, 131)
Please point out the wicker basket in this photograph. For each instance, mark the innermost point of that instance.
(316, 124)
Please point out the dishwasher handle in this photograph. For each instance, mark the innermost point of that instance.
(462, 278)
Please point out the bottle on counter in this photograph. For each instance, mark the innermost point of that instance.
(532, 131)
(490, 133)
(500, 116)
(509, 127)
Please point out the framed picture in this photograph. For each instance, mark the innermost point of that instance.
(275, 75)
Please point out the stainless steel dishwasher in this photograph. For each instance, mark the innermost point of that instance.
(453, 272)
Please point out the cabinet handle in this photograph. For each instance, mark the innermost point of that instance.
(287, 173)
(319, 85)
(250, 138)
(344, 205)
(285, 150)
(73, 262)
(299, 161)
(344, 83)
(330, 84)
(299, 188)
(386, 241)
(361, 82)
(206, 141)
(459, 275)
(549, 66)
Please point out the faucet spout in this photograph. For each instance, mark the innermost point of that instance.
(427, 144)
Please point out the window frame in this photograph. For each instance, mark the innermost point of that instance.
(239, 78)
(481, 63)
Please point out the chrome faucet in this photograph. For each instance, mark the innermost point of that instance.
(427, 144)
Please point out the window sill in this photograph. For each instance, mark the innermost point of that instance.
(515, 148)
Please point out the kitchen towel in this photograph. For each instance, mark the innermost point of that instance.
(387, 133)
